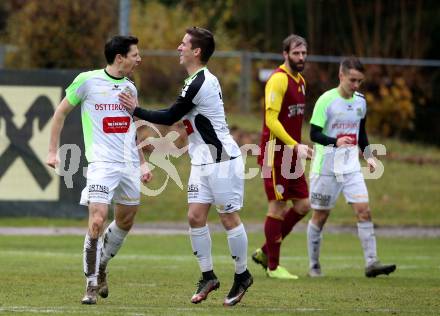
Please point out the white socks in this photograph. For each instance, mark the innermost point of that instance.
(368, 241)
(314, 236)
(237, 241)
(238, 245)
(201, 245)
(113, 239)
(91, 259)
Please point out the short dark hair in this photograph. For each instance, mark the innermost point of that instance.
(293, 40)
(203, 39)
(351, 62)
(118, 45)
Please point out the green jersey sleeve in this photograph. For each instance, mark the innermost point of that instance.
(76, 92)
(319, 116)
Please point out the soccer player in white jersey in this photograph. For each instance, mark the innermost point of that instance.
(338, 128)
(217, 171)
(114, 169)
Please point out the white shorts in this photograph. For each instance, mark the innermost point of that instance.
(220, 183)
(325, 190)
(112, 180)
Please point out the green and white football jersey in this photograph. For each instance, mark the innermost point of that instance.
(109, 131)
(338, 117)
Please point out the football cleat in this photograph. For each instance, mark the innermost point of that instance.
(281, 273)
(242, 282)
(90, 296)
(260, 257)
(378, 268)
(315, 271)
(204, 287)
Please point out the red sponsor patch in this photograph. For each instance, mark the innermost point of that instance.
(118, 124)
(352, 136)
(188, 127)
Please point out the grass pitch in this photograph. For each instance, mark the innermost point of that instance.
(156, 275)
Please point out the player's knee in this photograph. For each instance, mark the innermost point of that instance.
(126, 223)
(303, 209)
(96, 225)
(196, 220)
(230, 220)
(364, 214)
(319, 218)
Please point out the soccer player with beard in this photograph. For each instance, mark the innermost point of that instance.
(280, 147)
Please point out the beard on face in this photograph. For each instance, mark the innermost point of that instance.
(297, 67)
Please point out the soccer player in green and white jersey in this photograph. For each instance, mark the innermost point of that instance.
(338, 128)
(115, 167)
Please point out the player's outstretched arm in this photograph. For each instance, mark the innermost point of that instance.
(62, 110)
(167, 116)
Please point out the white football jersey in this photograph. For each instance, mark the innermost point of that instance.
(208, 133)
(108, 129)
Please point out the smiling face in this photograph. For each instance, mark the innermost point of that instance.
(349, 81)
(187, 55)
(296, 57)
(128, 63)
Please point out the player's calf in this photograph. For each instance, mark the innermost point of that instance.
(102, 282)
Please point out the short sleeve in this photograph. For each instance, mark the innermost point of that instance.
(76, 92)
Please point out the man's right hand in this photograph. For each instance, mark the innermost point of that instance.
(344, 141)
(52, 160)
(129, 101)
(304, 151)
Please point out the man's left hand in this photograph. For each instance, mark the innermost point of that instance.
(371, 164)
(146, 174)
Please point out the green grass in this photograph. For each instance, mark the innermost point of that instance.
(156, 275)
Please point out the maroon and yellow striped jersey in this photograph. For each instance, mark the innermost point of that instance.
(283, 115)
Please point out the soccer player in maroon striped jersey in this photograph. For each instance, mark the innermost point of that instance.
(280, 148)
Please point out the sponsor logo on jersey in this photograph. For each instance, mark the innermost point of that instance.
(296, 109)
(118, 124)
(116, 87)
(345, 125)
(109, 107)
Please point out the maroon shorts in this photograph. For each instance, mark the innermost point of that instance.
(279, 188)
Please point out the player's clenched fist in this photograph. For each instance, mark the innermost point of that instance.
(304, 151)
(52, 160)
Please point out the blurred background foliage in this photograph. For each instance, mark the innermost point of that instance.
(403, 100)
